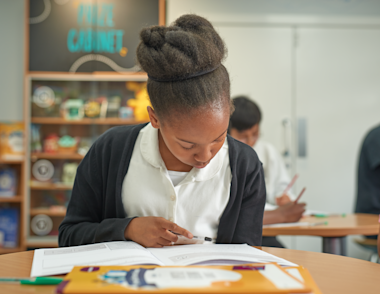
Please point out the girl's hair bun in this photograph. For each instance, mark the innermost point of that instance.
(154, 36)
(189, 46)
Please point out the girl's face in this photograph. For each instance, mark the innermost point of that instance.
(191, 139)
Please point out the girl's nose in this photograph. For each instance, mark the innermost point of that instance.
(203, 155)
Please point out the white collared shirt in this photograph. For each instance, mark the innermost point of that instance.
(275, 173)
(196, 203)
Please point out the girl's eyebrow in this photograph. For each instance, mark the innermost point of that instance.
(196, 143)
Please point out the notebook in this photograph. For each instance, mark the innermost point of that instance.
(62, 260)
(249, 278)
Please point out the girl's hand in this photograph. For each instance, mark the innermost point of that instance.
(283, 199)
(154, 231)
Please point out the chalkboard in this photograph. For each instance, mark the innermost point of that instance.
(87, 36)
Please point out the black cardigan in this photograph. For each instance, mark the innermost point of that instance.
(96, 214)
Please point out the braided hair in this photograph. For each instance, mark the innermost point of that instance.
(183, 62)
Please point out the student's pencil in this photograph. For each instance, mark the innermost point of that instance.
(290, 184)
(299, 196)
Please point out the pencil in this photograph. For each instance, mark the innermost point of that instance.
(34, 281)
(290, 184)
(299, 196)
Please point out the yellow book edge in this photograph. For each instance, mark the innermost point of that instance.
(305, 277)
(248, 278)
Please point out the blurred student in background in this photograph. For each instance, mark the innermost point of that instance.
(368, 185)
(279, 208)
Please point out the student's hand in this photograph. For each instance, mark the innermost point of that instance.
(153, 231)
(283, 199)
(291, 212)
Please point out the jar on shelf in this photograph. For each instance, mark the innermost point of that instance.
(67, 144)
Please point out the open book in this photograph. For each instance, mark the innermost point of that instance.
(62, 260)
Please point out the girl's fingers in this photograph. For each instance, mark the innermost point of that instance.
(175, 228)
(157, 246)
(169, 236)
(164, 242)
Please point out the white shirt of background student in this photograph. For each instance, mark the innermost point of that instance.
(276, 176)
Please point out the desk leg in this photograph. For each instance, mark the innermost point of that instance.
(335, 245)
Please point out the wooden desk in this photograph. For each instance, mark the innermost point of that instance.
(335, 232)
(334, 274)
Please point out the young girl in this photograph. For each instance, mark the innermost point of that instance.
(180, 173)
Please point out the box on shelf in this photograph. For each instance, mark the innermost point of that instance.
(11, 140)
(8, 182)
(9, 226)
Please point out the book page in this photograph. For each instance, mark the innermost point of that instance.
(61, 260)
(214, 254)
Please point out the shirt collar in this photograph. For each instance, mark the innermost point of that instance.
(150, 151)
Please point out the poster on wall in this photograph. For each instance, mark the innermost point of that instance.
(87, 35)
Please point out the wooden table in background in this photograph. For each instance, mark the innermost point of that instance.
(333, 274)
(335, 233)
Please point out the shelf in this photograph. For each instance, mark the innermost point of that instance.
(12, 199)
(43, 241)
(10, 250)
(48, 212)
(85, 121)
(11, 161)
(38, 155)
(49, 186)
(96, 76)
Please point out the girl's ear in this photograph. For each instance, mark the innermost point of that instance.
(153, 118)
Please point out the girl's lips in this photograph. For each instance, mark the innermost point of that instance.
(201, 166)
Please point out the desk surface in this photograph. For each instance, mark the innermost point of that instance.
(338, 226)
(334, 274)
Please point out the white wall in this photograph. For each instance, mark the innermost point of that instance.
(11, 59)
(327, 97)
(279, 11)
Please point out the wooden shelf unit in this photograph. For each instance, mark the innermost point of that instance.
(49, 186)
(49, 212)
(11, 161)
(43, 155)
(80, 128)
(18, 201)
(85, 121)
(13, 199)
(33, 189)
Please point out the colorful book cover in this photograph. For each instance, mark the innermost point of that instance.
(249, 278)
(9, 225)
(11, 140)
(8, 182)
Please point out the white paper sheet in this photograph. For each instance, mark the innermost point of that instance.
(62, 260)
(309, 212)
(284, 225)
(214, 254)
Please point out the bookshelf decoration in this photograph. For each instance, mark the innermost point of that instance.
(81, 79)
(12, 192)
(79, 109)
